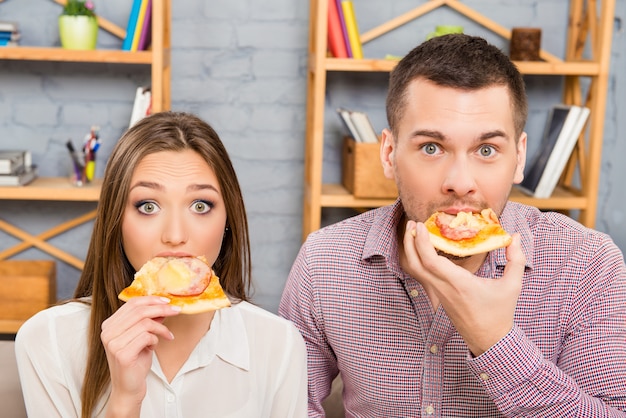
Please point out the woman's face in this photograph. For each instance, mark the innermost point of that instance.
(175, 208)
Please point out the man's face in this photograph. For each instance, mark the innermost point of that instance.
(455, 150)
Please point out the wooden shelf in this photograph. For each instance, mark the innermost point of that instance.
(587, 54)
(579, 68)
(27, 53)
(53, 188)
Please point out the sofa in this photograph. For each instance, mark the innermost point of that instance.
(11, 400)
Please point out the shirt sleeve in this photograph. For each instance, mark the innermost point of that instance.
(40, 369)
(588, 378)
(299, 305)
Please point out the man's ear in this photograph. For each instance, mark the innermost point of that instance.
(521, 159)
(387, 150)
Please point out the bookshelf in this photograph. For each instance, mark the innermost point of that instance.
(60, 189)
(589, 30)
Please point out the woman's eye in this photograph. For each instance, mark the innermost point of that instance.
(486, 150)
(430, 149)
(147, 208)
(200, 206)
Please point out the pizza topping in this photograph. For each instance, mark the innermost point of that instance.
(189, 282)
(464, 225)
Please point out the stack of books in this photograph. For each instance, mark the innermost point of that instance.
(564, 126)
(9, 33)
(16, 168)
(359, 125)
(139, 27)
(344, 40)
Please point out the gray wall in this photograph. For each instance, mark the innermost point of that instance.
(240, 64)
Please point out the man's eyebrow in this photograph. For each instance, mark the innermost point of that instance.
(441, 137)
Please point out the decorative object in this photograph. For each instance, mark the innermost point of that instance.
(78, 25)
(525, 44)
(445, 30)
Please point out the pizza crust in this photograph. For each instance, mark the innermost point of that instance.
(145, 283)
(490, 236)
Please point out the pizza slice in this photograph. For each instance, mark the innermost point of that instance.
(189, 282)
(466, 233)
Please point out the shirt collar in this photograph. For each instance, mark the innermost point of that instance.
(226, 339)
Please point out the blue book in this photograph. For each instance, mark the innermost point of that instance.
(131, 26)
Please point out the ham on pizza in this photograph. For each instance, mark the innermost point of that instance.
(189, 282)
(466, 233)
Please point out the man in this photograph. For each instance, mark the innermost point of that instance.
(537, 329)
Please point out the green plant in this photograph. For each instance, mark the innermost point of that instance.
(79, 8)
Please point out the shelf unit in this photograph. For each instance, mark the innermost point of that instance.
(60, 189)
(588, 31)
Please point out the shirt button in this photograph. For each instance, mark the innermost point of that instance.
(170, 398)
(484, 376)
(434, 349)
(430, 409)
(415, 293)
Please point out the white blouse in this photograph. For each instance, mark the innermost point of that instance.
(251, 363)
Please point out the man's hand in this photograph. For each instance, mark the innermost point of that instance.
(481, 309)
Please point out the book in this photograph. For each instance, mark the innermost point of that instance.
(564, 126)
(142, 105)
(344, 30)
(336, 43)
(344, 115)
(359, 125)
(131, 25)
(8, 26)
(146, 31)
(352, 28)
(139, 24)
(20, 178)
(13, 161)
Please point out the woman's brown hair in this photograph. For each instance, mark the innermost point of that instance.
(107, 270)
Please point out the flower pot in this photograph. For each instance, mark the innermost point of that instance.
(78, 32)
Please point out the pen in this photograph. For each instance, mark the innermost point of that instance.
(78, 166)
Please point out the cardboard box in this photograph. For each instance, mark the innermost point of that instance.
(362, 171)
(26, 287)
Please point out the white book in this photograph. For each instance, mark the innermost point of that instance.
(6, 26)
(21, 178)
(12, 161)
(364, 127)
(563, 127)
(344, 115)
(142, 106)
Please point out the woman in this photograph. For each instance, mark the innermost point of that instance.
(169, 189)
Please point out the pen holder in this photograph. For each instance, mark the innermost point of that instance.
(81, 176)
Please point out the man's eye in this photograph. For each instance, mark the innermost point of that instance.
(430, 149)
(147, 207)
(200, 206)
(486, 150)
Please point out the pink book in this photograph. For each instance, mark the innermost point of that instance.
(146, 29)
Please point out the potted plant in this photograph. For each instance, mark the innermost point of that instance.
(78, 26)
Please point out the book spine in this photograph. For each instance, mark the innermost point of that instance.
(130, 27)
(336, 43)
(344, 30)
(146, 29)
(353, 28)
(139, 25)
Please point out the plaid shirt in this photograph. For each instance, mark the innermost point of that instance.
(363, 316)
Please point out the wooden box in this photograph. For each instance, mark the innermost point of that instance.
(362, 171)
(26, 287)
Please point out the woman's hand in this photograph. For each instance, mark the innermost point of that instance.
(129, 336)
(481, 309)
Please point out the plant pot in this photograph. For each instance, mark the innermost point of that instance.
(78, 32)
